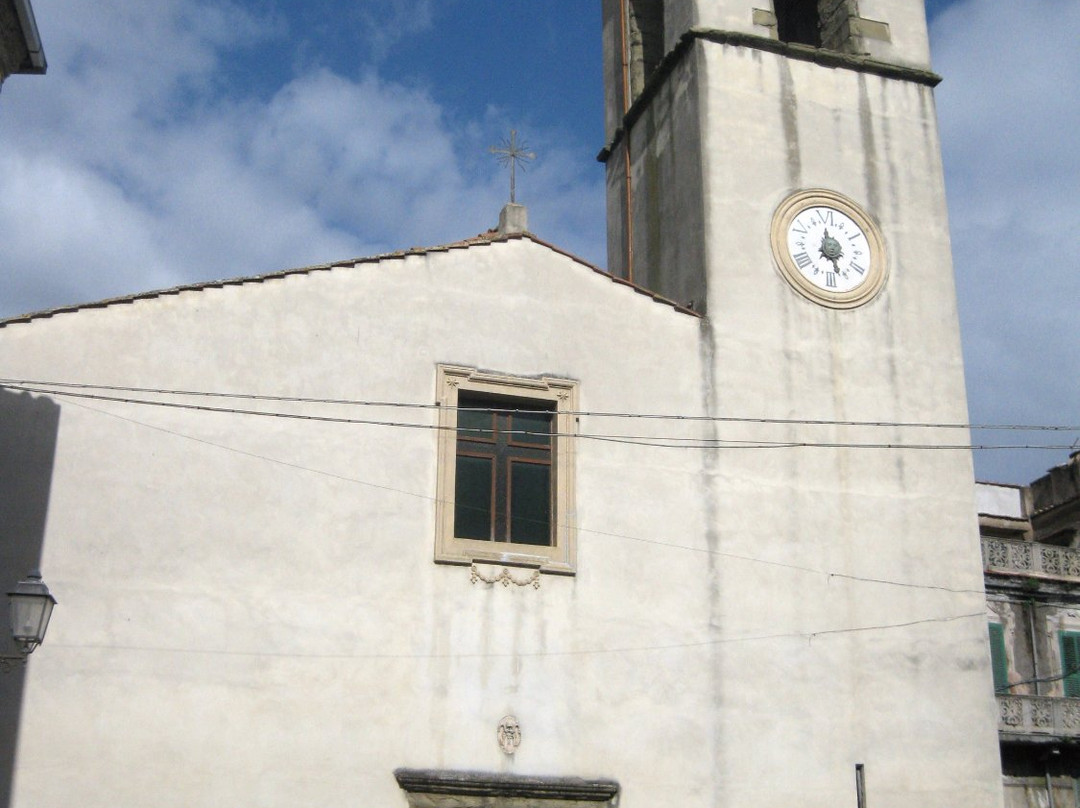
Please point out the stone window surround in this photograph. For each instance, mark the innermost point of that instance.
(855, 27)
(561, 557)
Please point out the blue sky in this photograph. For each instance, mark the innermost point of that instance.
(187, 140)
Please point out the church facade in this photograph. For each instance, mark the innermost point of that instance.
(484, 525)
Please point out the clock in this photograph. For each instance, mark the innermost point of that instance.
(828, 249)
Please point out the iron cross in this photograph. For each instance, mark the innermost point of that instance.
(510, 153)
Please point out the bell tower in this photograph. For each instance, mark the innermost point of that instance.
(675, 112)
(775, 166)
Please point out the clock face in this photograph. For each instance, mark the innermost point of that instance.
(828, 249)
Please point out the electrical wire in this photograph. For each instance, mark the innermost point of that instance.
(591, 413)
(808, 635)
(607, 534)
(669, 442)
(1039, 680)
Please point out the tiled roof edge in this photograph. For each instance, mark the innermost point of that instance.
(483, 239)
(641, 290)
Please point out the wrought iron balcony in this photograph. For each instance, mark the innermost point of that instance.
(1038, 715)
(1029, 558)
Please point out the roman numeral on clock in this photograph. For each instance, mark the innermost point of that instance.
(830, 279)
(802, 260)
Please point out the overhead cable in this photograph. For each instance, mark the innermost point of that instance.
(636, 440)
(20, 383)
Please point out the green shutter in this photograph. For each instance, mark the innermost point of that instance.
(999, 660)
(1070, 662)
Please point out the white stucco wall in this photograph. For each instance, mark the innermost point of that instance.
(999, 500)
(915, 696)
(249, 612)
(888, 514)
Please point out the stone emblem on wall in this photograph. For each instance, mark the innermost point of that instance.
(509, 734)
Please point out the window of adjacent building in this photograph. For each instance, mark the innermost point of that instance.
(1070, 662)
(999, 660)
(505, 470)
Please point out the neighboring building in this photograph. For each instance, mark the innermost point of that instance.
(20, 45)
(1031, 551)
(482, 524)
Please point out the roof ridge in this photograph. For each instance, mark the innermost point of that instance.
(486, 238)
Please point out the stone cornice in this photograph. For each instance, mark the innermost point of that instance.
(822, 56)
(485, 784)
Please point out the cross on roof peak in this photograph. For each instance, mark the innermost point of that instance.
(509, 153)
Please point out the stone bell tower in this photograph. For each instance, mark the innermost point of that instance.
(775, 166)
(688, 137)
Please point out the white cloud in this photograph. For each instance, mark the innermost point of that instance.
(134, 164)
(388, 21)
(1009, 110)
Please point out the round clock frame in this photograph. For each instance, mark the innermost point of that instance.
(815, 267)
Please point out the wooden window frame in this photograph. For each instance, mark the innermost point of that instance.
(558, 395)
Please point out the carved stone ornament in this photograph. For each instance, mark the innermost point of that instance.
(505, 578)
(1012, 712)
(1042, 714)
(509, 734)
(1071, 716)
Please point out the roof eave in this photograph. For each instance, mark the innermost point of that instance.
(35, 54)
(483, 239)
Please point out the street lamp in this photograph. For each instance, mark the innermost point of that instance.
(31, 608)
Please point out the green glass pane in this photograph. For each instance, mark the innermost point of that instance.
(472, 498)
(531, 427)
(530, 503)
(474, 425)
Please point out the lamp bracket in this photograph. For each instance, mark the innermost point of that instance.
(11, 662)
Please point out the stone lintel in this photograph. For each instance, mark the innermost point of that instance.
(424, 786)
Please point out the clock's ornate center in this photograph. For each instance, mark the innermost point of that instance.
(830, 248)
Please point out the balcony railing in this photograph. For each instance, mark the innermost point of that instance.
(1031, 558)
(1039, 715)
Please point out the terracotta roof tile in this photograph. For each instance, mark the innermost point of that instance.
(482, 239)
